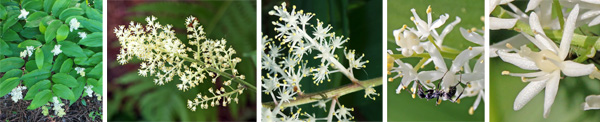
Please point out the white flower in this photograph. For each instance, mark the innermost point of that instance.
(23, 14)
(27, 52)
(82, 35)
(408, 42)
(88, 90)
(17, 93)
(73, 24)
(56, 50)
(58, 110)
(322, 104)
(592, 102)
(80, 71)
(550, 60)
(425, 28)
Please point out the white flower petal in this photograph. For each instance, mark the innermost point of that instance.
(532, 89)
(592, 1)
(547, 43)
(590, 14)
(565, 42)
(515, 41)
(430, 76)
(439, 22)
(595, 21)
(465, 56)
(532, 5)
(517, 60)
(437, 58)
(530, 74)
(472, 37)
(500, 23)
(534, 21)
(575, 69)
(592, 102)
(551, 89)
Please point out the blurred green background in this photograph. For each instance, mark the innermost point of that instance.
(567, 104)
(360, 20)
(132, 97)
(401, 107)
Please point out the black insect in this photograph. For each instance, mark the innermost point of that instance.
(437, 93)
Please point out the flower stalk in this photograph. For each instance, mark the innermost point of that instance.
(337, 92)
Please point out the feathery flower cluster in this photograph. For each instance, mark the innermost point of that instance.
(27, 52)
(424, 39)
(57, 107)
(551, 59)
(286, 69)
(88, 90)
(73, 24)
(56, 50)
(165, 57)
(17, 93)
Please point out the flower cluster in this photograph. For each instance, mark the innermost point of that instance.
(165, 57)
(464, 80)
(551, 60)
(284, 61)
(27, 52)
(17, 93)
(57, 107)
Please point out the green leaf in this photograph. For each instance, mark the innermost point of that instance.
(9, 22)
(3, 12)
(30, 32)
(62, 91)
(67, 66)
(34, 76)
(7, 85)
(39, 58)
(92, 25)
(96, 72)
(77, 91)
(51, 30)
(26, 43)
(65, 79)
(93, 14)
(31, 65)
(33, 5)
(71, 49)
(58, 62)
(48, 5)
(42, 28)
(11, 36)
(73, 11)
(62, 33)
(40, 99)
(4, 48)
(39, 86)
(11, 63)
(92, 40)
(98, 4)
(59, 6)
(34, 19)
(11, 73)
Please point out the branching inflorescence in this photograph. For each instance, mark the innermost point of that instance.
(166, 57)
(455, 82)
(284, 61)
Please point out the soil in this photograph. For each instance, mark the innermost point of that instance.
(18, 112)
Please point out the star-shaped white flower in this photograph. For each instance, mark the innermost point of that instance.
(424, 29)
(80, 71)
(82, 35)
(73, 24)
(408, 41)
(23, 14)
(549, 62)
(56, 50)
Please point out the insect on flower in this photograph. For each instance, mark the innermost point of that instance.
(437, 93)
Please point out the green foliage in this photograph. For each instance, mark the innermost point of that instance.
(47, 73)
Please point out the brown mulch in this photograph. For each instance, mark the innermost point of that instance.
(18, 112)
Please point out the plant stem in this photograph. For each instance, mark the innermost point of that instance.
(420, 64)
(337, 92)
(223, 74)
(557, 9)
(331, 110)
